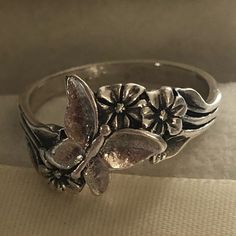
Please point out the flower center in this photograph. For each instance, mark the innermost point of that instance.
(163, 115)
(120, 107)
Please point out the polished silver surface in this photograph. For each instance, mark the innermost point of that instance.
(116, 126)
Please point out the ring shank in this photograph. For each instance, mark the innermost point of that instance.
(151, 73)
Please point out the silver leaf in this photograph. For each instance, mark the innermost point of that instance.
(195, 101)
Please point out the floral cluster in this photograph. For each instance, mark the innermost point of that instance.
(115, 107)
(59, 180)
(130, 105)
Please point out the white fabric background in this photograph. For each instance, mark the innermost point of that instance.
(133, 206)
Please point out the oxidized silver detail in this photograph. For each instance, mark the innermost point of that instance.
(116, 127)
(165, 111)
(120, 105)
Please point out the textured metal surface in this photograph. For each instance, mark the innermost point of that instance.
(81, 120)
(128, 147)
(116, 127)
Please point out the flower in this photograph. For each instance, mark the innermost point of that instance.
(61, 181)
(165, 112)
(120, 105)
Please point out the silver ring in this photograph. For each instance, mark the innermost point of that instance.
(116, 126)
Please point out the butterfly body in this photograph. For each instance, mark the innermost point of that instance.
(92, 149)
(92, 152)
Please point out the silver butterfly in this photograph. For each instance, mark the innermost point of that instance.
(91, 150)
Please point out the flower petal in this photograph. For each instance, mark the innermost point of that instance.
(140, 104)
(104, 107)
(159, 128)
(147, 112)
(148, 117)
(135, 111)
(131, 92)
(126, 122)
(179, 107)
(120, 121)
(110, 93)
(154, 98)
(135, 114)
(105, 112)
(174, 126)
(166, 96)
(147, 123)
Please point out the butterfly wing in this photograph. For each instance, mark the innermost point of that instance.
(65, 155)
(127, 147)
(81, 124)
(96, 176)
(81, 117)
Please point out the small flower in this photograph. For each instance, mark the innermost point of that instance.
(120, 105)
(165, 112)
(61, 181)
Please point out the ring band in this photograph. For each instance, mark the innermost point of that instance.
(116, 126)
